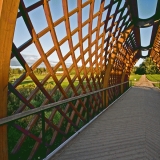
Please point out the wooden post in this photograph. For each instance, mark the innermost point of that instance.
(8, 14)
(106, 79)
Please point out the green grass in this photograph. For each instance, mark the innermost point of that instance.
(29, 81)
(154, 78)
(134, 78)
(25, 89)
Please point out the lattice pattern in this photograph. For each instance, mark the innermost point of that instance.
(155, 52)
(88, 43)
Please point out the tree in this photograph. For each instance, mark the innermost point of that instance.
(147, 67)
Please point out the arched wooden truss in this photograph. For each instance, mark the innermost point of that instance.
(107, 51)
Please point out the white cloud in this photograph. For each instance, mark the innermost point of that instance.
(31, 59)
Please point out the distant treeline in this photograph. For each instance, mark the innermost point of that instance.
(41, 70)
(146, 67)
(20, 71)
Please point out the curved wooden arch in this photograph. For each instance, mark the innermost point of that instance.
(8, 13)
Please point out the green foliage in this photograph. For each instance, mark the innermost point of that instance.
(147, 67)
(134, 77)
(15, 71)
(25, 89)
(13, 104)
(154, 78)
(134, 70)
(41, 70)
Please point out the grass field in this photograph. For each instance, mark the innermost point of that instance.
(154, 78)
(25, 89)
(28, 81)
(134, 78)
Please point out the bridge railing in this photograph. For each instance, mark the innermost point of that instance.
(89, 112)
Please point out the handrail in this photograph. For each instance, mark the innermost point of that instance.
(49, 106)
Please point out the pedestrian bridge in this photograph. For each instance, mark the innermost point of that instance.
(64, 62)
(128, 129)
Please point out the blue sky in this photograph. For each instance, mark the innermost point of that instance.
(39, 22)
(37, 16)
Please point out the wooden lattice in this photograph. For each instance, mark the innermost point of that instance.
(155, 53)
(101, 43)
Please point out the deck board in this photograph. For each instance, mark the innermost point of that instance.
(129, 129)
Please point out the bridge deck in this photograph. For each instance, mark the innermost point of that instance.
(129, 129)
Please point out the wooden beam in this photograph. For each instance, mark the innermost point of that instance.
(116, 47)
(8, 14)
(122, 80)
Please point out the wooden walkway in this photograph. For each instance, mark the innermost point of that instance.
(129, 129)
